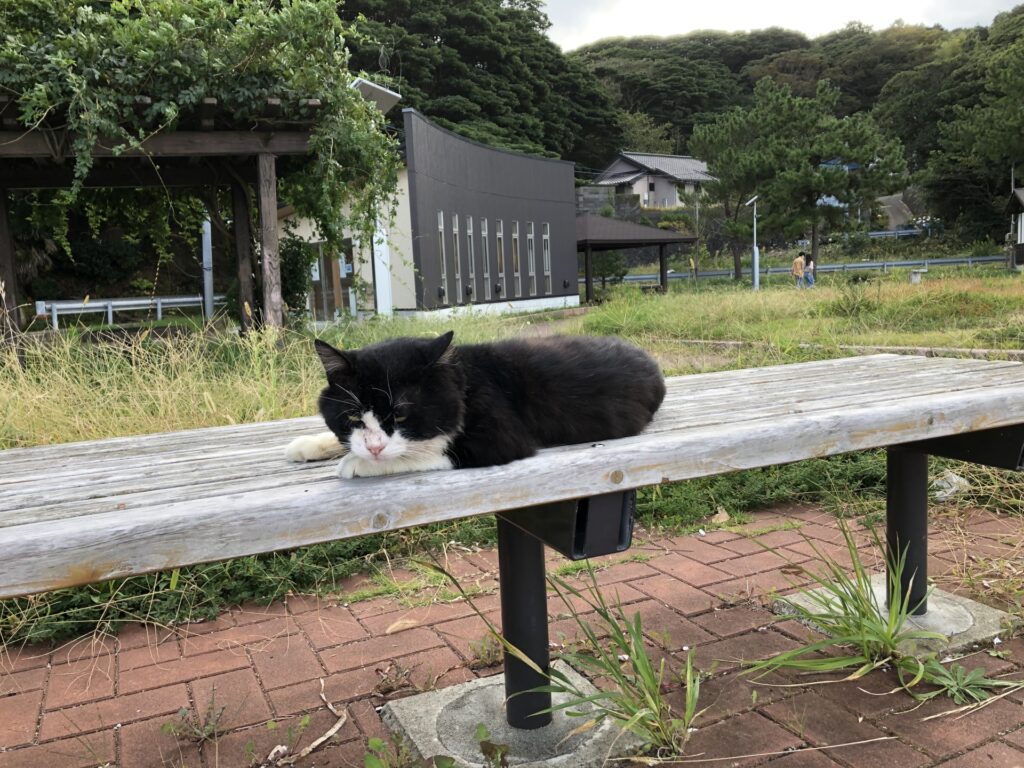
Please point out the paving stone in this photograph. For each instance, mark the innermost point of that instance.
(21, 682)
(330, 626)
(620, 572)
(1016, 738)
(728, 695)
(237, 638)
(254, 613)
(104, 714)
(748, 734)
(666, 627)
(673, 593)
(147, 655)
(758, 585)
(138, 635)
(951, 735)
(286, 660)
(727, 654)
(219, 624)
(464, 635)
(699, 549)
(365, 652)
(347, 755)
(368, 720)
(18, 715)
(726, 622)
(806, 758)
(876, 695)
(80, 681)
(717, 537)
(824, 723)
(614, 594)
(84, 649)
(249, 746)
(339, 688)
(237, 694)
(22, 657)
(180, 670)
(421, 616)
(760, 562)
(692, 572)
(994, 755)
(146, 744)
(80, 752)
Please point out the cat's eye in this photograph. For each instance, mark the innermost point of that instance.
(400, 419)
(355, 419)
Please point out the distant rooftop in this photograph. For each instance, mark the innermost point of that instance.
(680, 167)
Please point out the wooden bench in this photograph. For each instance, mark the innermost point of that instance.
(78, 513)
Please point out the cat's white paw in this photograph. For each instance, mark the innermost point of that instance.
(352, 466)
(314, 447)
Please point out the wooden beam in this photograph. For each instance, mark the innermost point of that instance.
(9, 321)
(119, 174)
(175, 144)
(273, 305)
(243, 252)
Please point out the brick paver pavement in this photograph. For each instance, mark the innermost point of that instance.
(115, 701)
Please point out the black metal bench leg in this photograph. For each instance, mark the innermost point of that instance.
(524, 623)
(907, 522)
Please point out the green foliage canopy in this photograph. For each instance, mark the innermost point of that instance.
(487, 70)
(793, 151)
(80, 66)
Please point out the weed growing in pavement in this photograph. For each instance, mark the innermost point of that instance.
(861, 635)
(203, 730)
(635, 699)
(485, 652)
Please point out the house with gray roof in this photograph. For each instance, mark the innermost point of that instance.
(657, 179)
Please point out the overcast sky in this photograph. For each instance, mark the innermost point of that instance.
(577, 22)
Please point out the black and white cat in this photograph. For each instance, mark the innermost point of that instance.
(407, 405)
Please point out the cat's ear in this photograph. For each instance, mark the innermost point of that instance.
(437, 348)
(335, 361)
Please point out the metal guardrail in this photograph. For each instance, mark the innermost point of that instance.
(969, 261)
(55, 308)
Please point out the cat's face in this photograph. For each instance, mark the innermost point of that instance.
(399, 399)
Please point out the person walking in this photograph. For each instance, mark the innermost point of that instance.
(798, 270)
(809, 271)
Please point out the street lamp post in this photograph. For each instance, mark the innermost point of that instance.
(757, 255)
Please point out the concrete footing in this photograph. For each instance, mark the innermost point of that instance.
(965, 623)
(444, 722)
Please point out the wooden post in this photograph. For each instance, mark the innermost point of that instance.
(663, 268)
(273, 309)
(243, 252)
(9, 322)
(588, 270)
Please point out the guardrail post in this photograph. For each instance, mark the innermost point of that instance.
(906, 508)
(159, 309)
(53, 310)
(110, 313)
(524, 624)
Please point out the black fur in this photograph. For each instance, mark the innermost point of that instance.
(497, 402)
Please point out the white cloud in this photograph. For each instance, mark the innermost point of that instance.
(578, 22)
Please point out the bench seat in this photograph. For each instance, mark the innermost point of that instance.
(76, 513)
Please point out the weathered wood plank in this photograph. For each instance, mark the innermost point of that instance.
(32, 144)
(53, 554)
(183, 464)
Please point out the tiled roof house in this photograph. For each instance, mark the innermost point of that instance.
(657, 179)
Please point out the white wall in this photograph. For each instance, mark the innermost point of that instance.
(664, 195)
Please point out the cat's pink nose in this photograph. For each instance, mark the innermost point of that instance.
(375, 449)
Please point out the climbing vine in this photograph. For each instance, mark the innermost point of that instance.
(119, 71)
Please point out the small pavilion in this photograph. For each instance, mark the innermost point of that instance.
(600, 233)
(207, 149)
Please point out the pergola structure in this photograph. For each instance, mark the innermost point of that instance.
(600, 233)
(205, 150)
